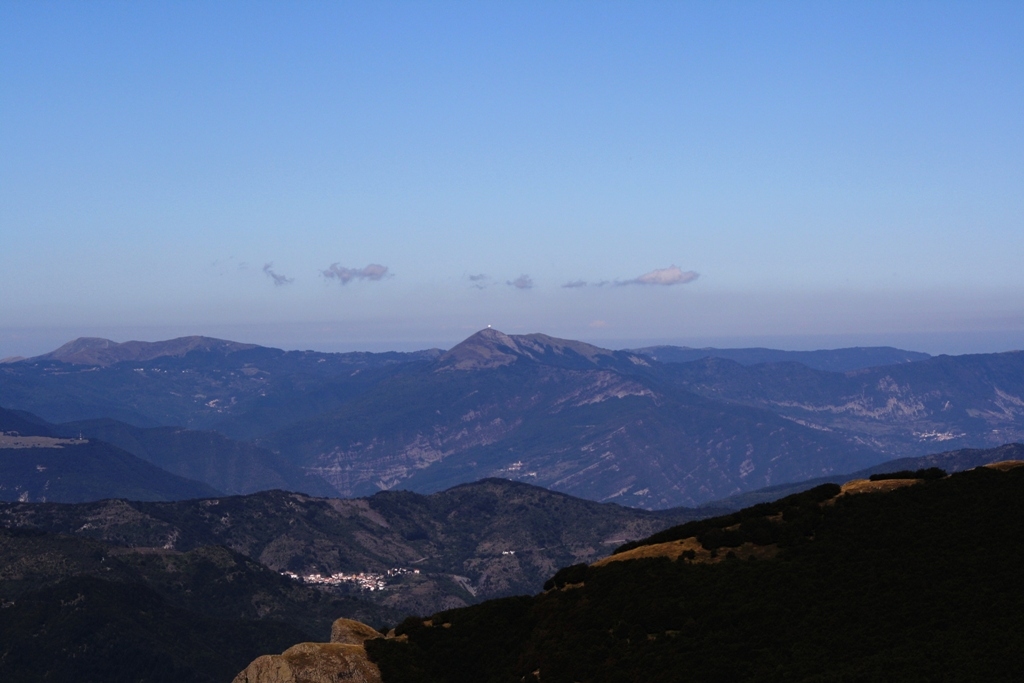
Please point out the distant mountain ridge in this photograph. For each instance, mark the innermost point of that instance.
(832, 360)
(606, 425)
(241, 394)
(103, 352)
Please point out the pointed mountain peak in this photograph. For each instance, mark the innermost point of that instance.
(491, 348)
(488, 348)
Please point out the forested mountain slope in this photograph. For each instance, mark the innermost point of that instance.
(471, 542)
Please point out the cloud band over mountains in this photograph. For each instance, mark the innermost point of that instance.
(372, 272)
(521, 282)
(278, 279)
(662, 277)
(480, 281)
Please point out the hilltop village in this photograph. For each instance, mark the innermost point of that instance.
(370, 581)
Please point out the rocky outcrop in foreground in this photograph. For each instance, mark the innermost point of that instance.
(341, 660)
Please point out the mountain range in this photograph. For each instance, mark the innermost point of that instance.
(171, 579)
(606, 425)
(486, 539)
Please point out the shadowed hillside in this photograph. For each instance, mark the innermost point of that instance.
(77, 609)
(918, 581)
(40, 463)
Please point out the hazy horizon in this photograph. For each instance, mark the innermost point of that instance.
(393, 175)
(29, 343)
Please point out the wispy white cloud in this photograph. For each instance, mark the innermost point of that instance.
(373, 272)
(664, 277)
(521, 282)
(278, 279)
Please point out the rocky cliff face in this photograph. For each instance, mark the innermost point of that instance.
(341, 660)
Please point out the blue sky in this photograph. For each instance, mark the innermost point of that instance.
(795, 175)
